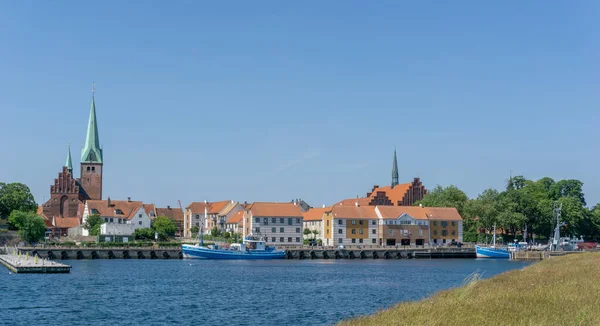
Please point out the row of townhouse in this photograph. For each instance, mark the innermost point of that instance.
(384, 225)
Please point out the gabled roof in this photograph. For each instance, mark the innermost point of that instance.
(197, 207)
(444, 213)
(274, 209)
(228, 208)
(128, 208)
(149, 208)
(393, 194)
(236, 218)
(393, 212)
(65, 222)
(364, 201)
(216, 207)
(173, 213)
(353, 212)
(315, 214)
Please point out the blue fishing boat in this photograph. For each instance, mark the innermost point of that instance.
(252, 248)
(492, 251)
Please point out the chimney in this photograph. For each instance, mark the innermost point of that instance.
(108, 202)
(168, 207)
(129, 199)
(323, 205)
(421, 205)
(356, 204)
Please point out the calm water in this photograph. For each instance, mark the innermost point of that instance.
(186, 292)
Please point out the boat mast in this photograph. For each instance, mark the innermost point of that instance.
(494, 240)
(202, 224)
(557, 209)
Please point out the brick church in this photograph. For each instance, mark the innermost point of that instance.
(69, 194)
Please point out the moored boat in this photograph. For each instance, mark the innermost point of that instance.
(492, 251)
(253, 247)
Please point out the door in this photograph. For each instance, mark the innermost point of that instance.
(420, 242)
(390, 242)
(405, 242)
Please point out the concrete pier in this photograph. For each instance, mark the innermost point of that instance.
(27, 264)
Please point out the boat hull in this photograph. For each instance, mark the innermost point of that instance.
(197, 252)
(486, 252)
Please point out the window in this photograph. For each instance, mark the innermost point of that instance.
(281, 230)
(273, 220)
(373, 240)
(289, 221)
(297, 230)
(434, 232)
(360, 222)
(290, 239)
(257, 220)
(453, 232)
(257, 229)
(444, 224)
(281, 220)
(297, 220)
(444, 233)
(327, 231)
(340, 231)
(140, 222)
(340, 222)
(327, 223)
(360, 231)
(88, 168)
(453, 223)
(374, 231)
(354, 222)
(434, 223)
(420, 232)
(391, 231)
(94, 211)
(93, 168)
(265, 222)
(373, 222)
(360, 240)
(353, 240)
(406, 233)
(297, 239)
(273, 239)
(274, 230)
(118, 211)
(281, 239)
(340, 240)
(353, 231)
(140, 215)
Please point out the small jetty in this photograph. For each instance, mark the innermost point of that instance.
(23, 263)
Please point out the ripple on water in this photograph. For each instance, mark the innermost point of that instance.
(164, 292)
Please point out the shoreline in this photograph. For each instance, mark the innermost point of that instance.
(559, 291)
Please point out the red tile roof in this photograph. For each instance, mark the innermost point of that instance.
(393, 212)
(197, 207)
(127, 207)
(354, 212)
(315, 214)
(66, 222)
(352, 201)
(444, 213)
(216, 207)
(149, 208)
(173, 213)
(236, 218)
(393, 194)
(275, 209)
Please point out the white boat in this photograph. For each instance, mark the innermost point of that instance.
(492, 251)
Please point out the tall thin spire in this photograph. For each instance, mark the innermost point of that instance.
(92, 153)
(395, 170)
(69, 163)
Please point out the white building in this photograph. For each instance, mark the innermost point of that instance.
(279, 223)
(313, 220)
(122, 217)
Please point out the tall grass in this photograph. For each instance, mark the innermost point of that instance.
(559, 291)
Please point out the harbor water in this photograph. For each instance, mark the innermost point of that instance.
(199, 292)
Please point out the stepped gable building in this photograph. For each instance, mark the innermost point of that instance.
(69, 194)
(396, 194)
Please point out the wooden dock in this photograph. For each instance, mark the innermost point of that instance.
(27, 264)
(538, 255)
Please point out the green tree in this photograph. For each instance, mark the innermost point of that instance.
(163, 224)
(31, 227)
(449, 196)
(144, 234)
(194, 231)
(92, 224)
(484, 208)
(307, 232)
(215, 232)
(15, 197)
(315, 233)
(568, 188)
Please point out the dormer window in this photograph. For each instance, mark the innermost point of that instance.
(118, 212)
(94, 211)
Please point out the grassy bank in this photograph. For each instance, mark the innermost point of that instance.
(559, 291)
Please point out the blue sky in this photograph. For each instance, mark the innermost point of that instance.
(274, 100)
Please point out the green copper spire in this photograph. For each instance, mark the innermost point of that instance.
(92, 153)
(69, 163)
(395, 170)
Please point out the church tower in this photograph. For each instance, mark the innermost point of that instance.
(91, 158)
(395, 171)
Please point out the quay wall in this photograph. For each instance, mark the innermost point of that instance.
(379, 253)
(104, 253)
